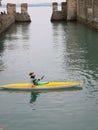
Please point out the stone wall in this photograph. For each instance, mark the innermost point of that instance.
(87, 12)
(22, 17)
(95, 10)
(5, 21)
(12, 16)
(19, 17)
(68, 11)
(71, 10)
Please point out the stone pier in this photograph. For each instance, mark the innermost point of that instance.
(85, 11)
(6, 19)
(68, 11)
(59, 15)
(23, 16)
(19, 17)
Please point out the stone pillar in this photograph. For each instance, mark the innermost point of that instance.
(95, 10)
(64, 6)
(55, 6)
(89, 10)
(24, 8)
(81, 9)
(71, 10)
(64, 9)
(11, 8)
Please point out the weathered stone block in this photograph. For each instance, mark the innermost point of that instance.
(71, 10)
(90, 14)
(59, 15)
(24, 8)
(11, 8)
(95, 9)
(55, 6)
(6, 21)
(22, 17)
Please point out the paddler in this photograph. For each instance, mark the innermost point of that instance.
(34, 81)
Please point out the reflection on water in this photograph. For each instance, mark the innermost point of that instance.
(34, 96)
(82, 53)
(11, 37)
(79, 51)
(1, 53)
(12, 44)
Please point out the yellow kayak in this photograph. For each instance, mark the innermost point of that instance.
(42, 86)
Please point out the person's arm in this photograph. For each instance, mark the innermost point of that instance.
(41, 78)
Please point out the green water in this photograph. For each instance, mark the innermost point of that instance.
(61, 52)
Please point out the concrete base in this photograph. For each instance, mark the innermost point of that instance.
(58, 16)
(22, 17)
